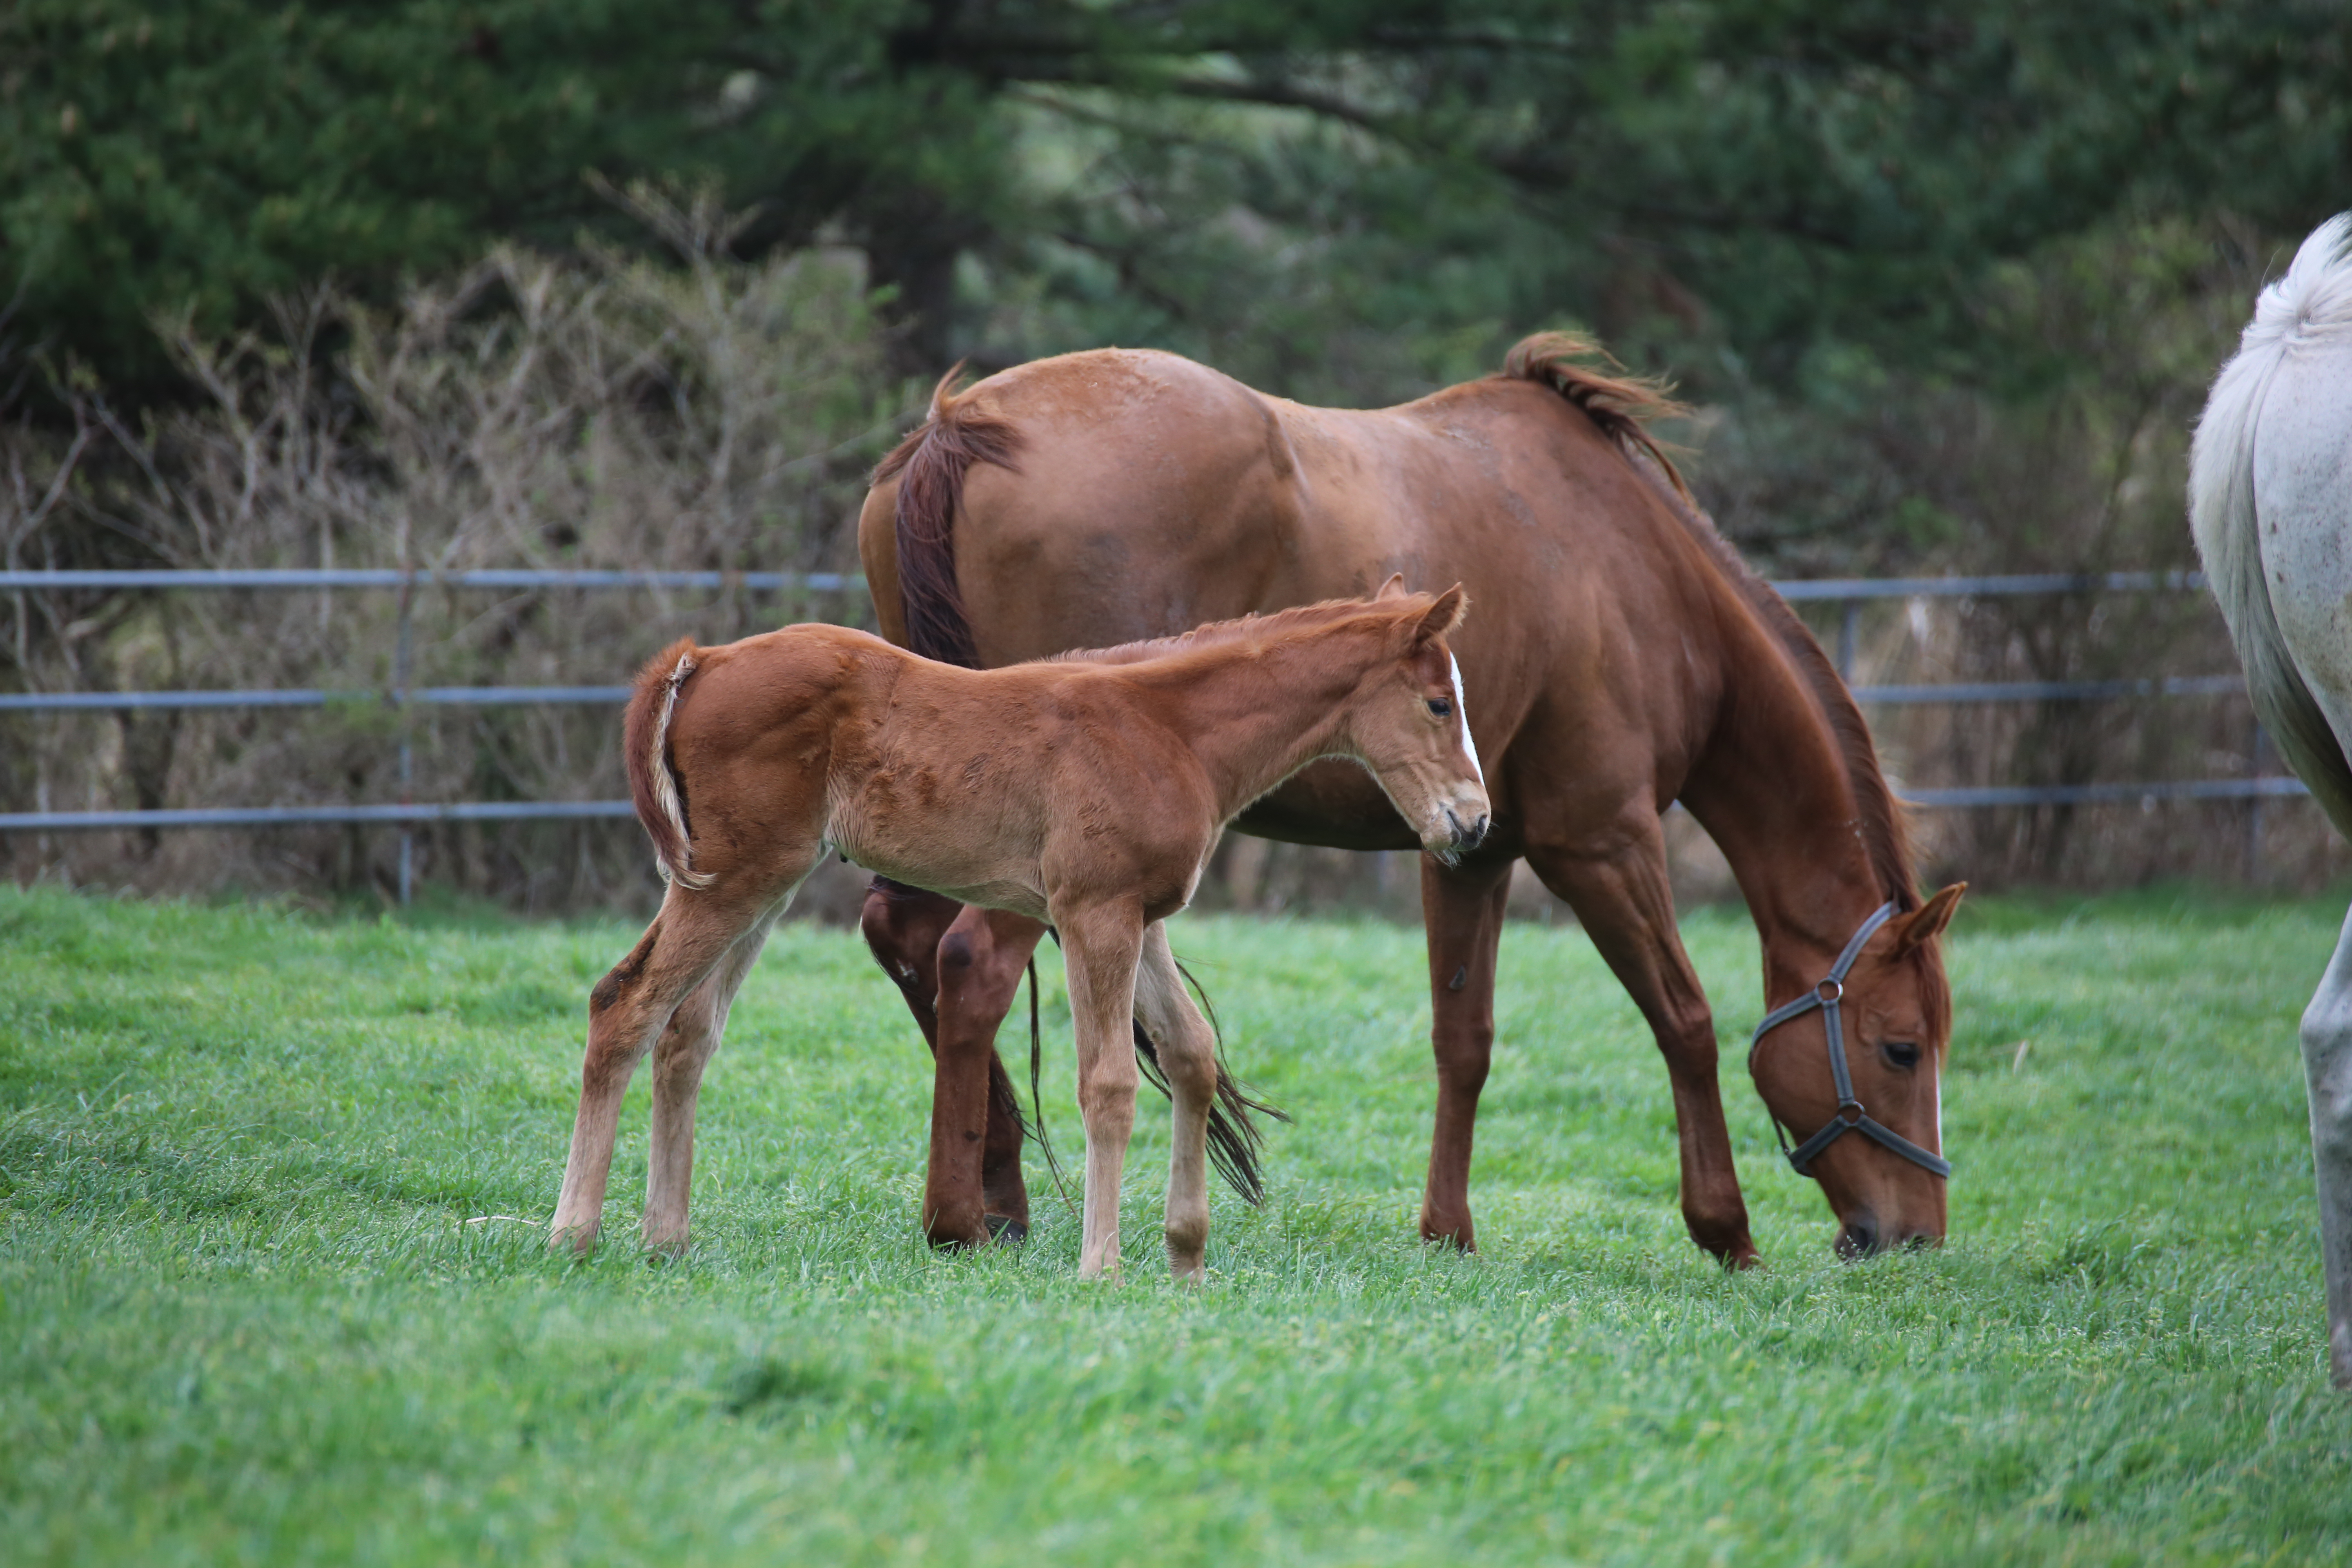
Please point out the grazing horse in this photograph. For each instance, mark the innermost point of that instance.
(2270, 497)
(1086, 794)
(1622, 659)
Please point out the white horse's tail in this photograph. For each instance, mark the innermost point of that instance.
(2312, 303)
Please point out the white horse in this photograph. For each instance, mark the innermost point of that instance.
(2270, 497)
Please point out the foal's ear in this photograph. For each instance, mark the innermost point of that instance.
(1442, 617)
(1927, 922)
(1391, 589)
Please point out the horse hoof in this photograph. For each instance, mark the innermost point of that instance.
(1006, 1231)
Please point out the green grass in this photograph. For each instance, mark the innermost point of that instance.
(250, 1310)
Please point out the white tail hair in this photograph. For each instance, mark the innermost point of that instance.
(2308, 310)
(666, 784)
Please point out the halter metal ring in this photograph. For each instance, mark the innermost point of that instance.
(1830, 991)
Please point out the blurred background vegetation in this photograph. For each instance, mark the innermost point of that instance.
(601, 284)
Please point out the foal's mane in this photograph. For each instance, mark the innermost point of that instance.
(1216, 634)
(1621, 405)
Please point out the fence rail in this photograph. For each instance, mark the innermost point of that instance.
(1847, 592)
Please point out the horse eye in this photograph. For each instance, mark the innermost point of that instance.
(1902, 1053)
(1440, 706)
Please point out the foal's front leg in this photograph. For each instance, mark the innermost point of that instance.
(1188, 1054)
(1101, 945)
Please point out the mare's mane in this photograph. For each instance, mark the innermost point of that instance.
(1619, 405)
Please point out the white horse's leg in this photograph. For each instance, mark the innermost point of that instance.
(2327, 1071)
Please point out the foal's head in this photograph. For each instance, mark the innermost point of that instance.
(1407, 725)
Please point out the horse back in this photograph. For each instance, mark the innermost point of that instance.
(1150, 494)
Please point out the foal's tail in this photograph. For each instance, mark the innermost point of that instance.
(2313, 299)
(653, 782)
(929, 466)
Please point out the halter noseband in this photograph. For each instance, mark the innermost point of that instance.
(1850, 1116)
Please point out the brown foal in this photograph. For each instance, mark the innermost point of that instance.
(1084, 794)
(1622, 659)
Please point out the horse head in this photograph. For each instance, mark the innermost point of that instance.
(1851, 1069)
(1407, 723)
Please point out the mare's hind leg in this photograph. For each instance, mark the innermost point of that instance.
(2327, 1073)
(626, 1010)
(1620, 892)
(905, 927)
(1461, 907)
(685, 1049)
(981, 962)
(1188, 1054)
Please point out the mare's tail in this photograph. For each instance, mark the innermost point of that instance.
(653, 782)
(1620, 404)
(929, 466)
(2315, 296)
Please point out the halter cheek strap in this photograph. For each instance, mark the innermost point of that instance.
(1850, 1116)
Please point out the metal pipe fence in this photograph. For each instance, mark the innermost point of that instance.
(1848, 592)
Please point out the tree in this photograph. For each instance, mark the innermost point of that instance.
(1269, 180)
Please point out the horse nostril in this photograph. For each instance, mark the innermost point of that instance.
(1859, 1238)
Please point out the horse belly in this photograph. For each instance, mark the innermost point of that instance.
(1335, 804)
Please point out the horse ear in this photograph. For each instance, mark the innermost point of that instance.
(1927, 922)
(1391, 589)
(1442, 617)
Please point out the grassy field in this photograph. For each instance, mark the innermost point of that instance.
(272, 1288)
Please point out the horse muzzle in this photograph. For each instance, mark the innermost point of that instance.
(1466, 828)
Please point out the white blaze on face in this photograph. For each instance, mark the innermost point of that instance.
(1469, 746)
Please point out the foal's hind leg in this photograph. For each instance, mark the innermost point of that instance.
(1188, 1054)
(626, 1010)
(685, 1049)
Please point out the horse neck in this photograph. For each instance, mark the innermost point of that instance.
(1256, 712)
(1773, 790)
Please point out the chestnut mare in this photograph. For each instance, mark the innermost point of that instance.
(1622, 659)
(1087, 795)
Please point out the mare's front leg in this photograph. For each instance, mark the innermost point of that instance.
(686, 1048)
(626, 1010)
(1188, 1054)
(2327, 1074)
(1620, 892)
(1461, 907)
(906, 928)
(975, 1125)
(1101, 945)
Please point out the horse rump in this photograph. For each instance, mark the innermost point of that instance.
(929, 466)
(2313, 299)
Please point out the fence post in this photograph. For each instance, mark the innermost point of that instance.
(1848, 610)
(403, 651)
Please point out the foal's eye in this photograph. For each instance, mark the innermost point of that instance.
(1440, 706)
(1902, 1053)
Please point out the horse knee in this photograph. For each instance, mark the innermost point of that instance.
(2327, 1058)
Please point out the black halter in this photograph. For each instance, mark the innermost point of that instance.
(1850, 1116)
